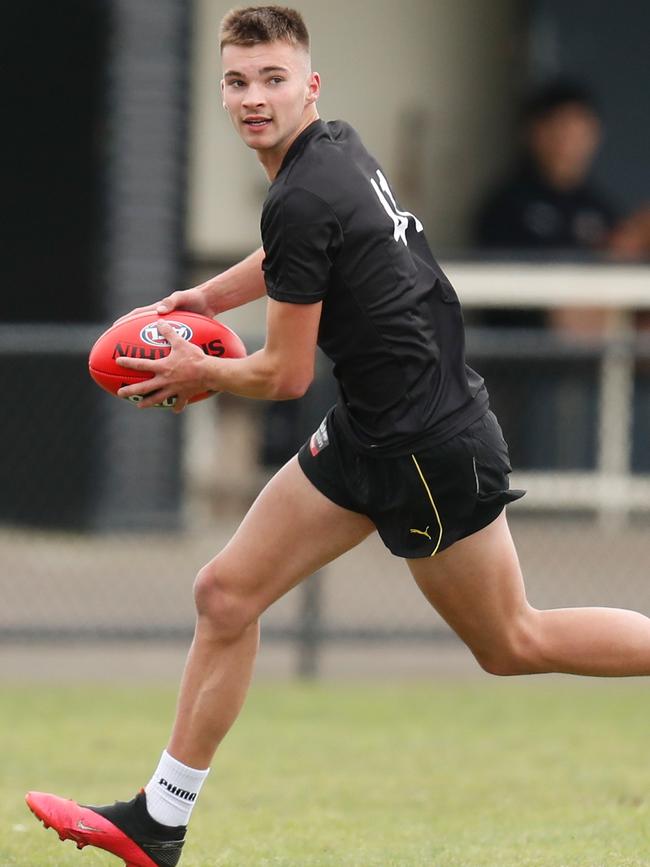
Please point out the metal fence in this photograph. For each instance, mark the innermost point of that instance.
(66, 572)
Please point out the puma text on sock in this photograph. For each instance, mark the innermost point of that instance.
(173, 790)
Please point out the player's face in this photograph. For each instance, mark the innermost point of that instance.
(270, 93)
(564, 144)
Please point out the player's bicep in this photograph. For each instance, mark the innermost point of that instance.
(291, 337)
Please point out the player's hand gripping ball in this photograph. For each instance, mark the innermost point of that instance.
(139, 337)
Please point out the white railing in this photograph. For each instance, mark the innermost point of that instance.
(611, 489)
(621, 290)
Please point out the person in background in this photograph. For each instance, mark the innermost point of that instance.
(550, 202)
(549, 206)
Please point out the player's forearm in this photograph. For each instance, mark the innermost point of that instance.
(236, 286)
(259, 376)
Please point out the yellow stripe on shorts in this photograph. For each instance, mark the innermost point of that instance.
(433, 505)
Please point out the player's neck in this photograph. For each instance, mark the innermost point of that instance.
(272, 159)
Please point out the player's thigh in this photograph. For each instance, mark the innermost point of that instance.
(290, 532)
(476, 585)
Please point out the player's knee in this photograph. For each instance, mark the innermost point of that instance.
(518, 652)
(220, 609)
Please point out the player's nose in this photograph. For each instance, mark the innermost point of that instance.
(254, 97)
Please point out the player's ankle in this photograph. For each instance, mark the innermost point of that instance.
(173, 790)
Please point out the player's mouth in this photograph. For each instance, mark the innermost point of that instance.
(257, 121)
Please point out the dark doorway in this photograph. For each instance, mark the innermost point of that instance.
(53, 71)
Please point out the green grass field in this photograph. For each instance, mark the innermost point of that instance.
(497, 773)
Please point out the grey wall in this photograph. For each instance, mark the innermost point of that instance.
(426, 82)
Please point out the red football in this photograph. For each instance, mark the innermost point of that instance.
(138, 337)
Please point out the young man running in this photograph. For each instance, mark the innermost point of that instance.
(411, 448)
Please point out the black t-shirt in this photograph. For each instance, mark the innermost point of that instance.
(528, 213)
(391, 322)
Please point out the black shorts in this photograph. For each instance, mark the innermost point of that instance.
(423, 502)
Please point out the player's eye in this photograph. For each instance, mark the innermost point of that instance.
(236, 83)
(276, 79)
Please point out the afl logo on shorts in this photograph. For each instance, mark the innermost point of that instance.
(319, 440)
(153, 337)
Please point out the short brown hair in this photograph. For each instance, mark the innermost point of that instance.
(253, 25)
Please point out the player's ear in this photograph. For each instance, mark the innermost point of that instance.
(313, 88)
(222, 87)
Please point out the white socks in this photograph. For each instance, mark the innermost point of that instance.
(173, 790)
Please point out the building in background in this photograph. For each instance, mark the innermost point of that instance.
(122, 180)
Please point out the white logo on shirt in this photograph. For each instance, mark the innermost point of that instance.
(400, 218)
